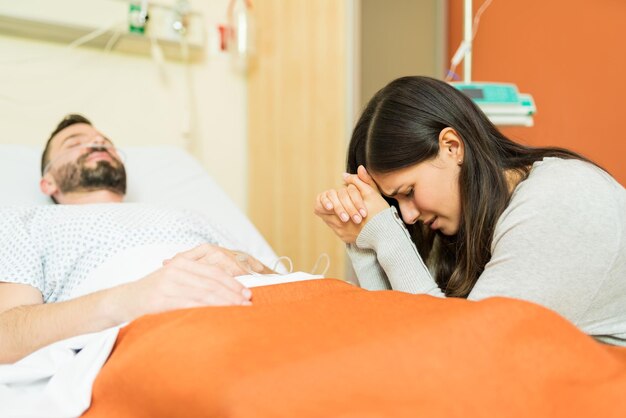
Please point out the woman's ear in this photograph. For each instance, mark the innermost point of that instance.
(47, 185)
(451, 146)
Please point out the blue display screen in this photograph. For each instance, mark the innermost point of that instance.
(474, 93)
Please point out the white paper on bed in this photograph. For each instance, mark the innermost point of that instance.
(56, 380)
(162, 175)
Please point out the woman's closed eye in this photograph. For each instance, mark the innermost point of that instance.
(409, 193)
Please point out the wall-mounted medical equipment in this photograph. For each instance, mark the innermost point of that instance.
(138, 16)
(126, 26)
(501, 102)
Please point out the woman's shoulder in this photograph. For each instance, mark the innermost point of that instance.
(566, 193)
(568, 169)
(567, 180)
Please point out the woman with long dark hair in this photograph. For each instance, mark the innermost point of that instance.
(480, 215)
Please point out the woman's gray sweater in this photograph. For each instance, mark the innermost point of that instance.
(560, 243)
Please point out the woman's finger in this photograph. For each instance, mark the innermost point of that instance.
(325, 201)
(346, 201)
(365, 176)
(340, 211)
(364, 188)
(322, 204)
(357, 199)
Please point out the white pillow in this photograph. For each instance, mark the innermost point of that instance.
(162, 175)
(19, 175)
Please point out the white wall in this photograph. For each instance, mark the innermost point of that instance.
(129, 98)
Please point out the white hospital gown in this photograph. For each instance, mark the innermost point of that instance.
(54, 248)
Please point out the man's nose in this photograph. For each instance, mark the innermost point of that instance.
(98, 140)
(409, 212)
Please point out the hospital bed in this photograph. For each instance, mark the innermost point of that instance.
(324, 348)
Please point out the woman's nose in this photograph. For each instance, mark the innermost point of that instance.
(409, 212)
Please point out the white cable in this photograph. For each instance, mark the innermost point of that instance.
(284, 257)
(322, 256)
(78, 92)
(188, 108)
(72, 45)
(479, 13)
(113, 39)
(156, 52)
(464, 46)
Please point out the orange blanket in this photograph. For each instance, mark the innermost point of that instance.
(325, 348)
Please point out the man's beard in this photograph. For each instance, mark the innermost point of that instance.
(105, 175)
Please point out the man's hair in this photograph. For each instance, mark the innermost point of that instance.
(68, 120)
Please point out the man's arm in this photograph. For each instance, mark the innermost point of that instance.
(27, 324)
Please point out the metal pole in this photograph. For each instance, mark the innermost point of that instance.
(467, 37)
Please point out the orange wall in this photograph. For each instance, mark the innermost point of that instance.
(571, 56)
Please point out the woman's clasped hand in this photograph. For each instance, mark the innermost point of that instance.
(346, 210)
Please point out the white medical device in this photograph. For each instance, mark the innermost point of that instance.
(501, 102)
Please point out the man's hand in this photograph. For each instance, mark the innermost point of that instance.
(27, 324)
(347, 210)
(181, 283)
(234, 263)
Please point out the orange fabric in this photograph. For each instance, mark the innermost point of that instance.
(325, 348)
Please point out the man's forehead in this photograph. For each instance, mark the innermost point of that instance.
(75, 129)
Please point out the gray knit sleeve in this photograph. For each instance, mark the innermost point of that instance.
(386, 235)
(370, 274)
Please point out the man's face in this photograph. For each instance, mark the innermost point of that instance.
(81, 159)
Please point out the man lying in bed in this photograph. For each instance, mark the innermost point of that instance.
(46, 252)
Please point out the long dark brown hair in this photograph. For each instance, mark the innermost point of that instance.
(400, 127)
